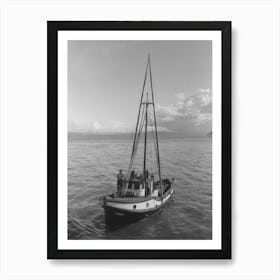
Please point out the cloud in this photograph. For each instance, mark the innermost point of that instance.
(190, 110)
(109, 127)
(118, 126)
(75, 126)
(98, 127)
(190, 114)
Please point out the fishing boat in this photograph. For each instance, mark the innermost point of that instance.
(141, 194)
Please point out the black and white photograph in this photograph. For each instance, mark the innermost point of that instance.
(139, 140)
(139, 132)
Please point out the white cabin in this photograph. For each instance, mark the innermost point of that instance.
(134, 188)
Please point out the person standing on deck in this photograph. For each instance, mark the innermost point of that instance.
(132, 175)
(120, 177)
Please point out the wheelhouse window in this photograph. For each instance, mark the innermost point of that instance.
(136, 185)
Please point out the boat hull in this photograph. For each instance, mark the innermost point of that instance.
(130, 209)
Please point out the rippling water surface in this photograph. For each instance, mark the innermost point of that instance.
(93, 163)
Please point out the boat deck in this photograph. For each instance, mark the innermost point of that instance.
(116, 197)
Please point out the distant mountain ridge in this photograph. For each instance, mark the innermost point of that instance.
(124, 135)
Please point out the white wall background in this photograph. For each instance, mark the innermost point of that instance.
(255, 139)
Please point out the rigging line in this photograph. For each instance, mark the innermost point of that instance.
(128, 147)
(153, 101)
(137, 123)
(139, 132)
(152, 123)
(137, 140)
(133, 157)
(145, 143)
(136, 143)
(136, 135)
(155, 148)
(135, 152)
(129, 143)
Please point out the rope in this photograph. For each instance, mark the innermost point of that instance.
(155, 145)
(138, 134)
(138, 137)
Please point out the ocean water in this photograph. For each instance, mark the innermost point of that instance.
(94, 161)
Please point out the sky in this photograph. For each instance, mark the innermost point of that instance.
(105, 80)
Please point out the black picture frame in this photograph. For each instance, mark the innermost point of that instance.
(52, 138)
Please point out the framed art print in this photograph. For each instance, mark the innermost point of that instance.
(139, 140)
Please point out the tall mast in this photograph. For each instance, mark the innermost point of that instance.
(138, 128)
(145, 143)
(157, 146)
(137, 123)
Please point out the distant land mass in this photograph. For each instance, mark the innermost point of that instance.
(124, 135)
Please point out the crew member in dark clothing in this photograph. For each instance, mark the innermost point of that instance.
(132, 175)
(120, 177)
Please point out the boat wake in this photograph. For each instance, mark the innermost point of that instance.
(77, 229)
